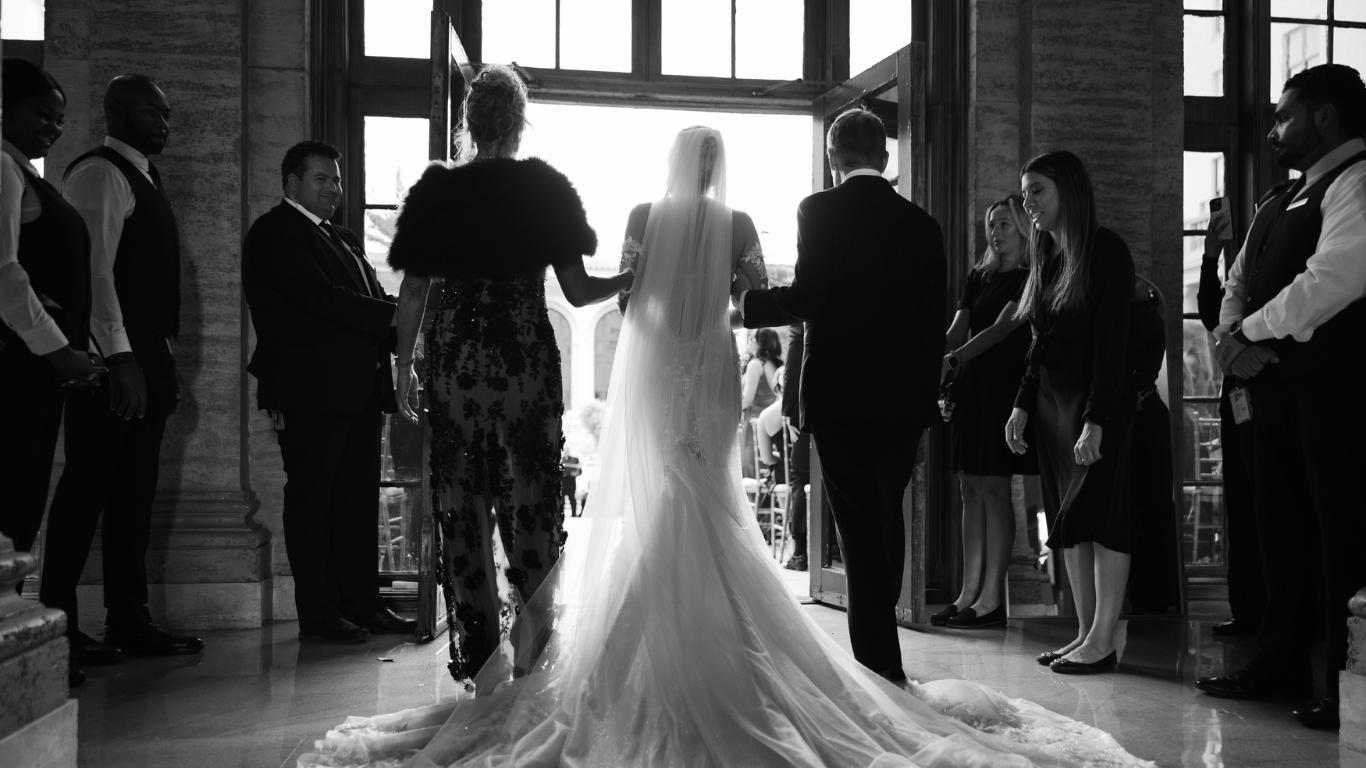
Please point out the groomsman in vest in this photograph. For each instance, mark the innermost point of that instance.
(325, 333)
(113, 433)
(1292, 325)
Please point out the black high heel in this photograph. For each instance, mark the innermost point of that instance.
(942, 618)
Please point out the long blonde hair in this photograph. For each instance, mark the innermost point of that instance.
(1014, 206)
(1076, 234)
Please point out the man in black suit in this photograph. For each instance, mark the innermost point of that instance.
(870, 286)
(798, 446)
(325, 333)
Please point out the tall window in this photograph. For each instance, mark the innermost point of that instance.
(591, 35)
(1306, 33)
(395, 156)
(1204, 48)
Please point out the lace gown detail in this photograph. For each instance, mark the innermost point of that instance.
(495, 407)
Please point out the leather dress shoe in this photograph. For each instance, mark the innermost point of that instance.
(942, 618)
(1048, 657)
(1254, 683)
(968, 619)
(1065, 667)
(796, 563)
(1321, 714)
(337, 631)
(386, 622)
(1234, 626)
(151, 640)
(86, 651)
(74, 677)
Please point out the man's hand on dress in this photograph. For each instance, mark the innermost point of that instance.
(128, 387)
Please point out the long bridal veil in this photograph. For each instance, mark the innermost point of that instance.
(665, 635)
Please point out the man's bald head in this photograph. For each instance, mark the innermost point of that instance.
(137, 113)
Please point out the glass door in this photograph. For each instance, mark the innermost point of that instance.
(894, 90)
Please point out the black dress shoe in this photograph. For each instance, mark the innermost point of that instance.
(796, 563)
(74, 677)
(151, 640)
(1048, 657)
(337, 631)
(386, 622)
(1254, 683)
(968, 619)
(893, 675)
(942, 618)
(1065, 667)
(1234, 626)
(86, 651)
(1321, 714)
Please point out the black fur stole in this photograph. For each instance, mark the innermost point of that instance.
(498, 218)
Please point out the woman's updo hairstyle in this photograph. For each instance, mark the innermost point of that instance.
(495, 109)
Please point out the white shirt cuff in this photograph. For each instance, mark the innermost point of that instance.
(741, 302)
(44, 338)
(113, 344)
(1255, 328)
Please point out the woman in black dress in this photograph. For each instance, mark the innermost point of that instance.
(985, 352)
(489, 228)
(1079, 389)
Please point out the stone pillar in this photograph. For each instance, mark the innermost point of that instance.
(1352, 682)
(209, 561)
(37, 720)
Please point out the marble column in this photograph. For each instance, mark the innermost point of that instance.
(37, 720)
(1352, 683)
(209, 560)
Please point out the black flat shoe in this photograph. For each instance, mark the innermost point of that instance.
(151, 640)
(796, 563)
(942, 618)
(1322, 714)
(1234, 626)
(337, 631)
(968, 619)
(86, 651)
(1065, 667)
(1254, 683)
(386, 622)
(1048, 657)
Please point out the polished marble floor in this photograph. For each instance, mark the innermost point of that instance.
(257, 698)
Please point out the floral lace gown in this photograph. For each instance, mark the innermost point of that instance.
(495, 406)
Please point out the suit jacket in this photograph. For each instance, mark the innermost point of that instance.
(322, 340)
(871, 287)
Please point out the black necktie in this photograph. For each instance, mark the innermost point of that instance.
(348, 258)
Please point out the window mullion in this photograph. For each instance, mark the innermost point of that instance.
(732, 38)
(557, 34)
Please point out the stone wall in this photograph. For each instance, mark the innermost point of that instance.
(235, 75)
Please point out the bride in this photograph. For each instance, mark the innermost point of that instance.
(665, 636)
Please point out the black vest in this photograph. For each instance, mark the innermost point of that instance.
(54, 249)
(1278, 250)
(147, 264)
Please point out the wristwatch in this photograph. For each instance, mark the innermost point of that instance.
(953, 361)
(1236, 331)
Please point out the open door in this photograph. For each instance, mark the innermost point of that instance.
(451, 72)
(893, 89)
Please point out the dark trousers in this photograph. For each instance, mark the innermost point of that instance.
(1309, 457)
(800, 461)
(864, 473)
(332, 467)
(29, 422)
(1242, 547)
(111, 468)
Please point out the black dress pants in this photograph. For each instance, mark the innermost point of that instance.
(332, 467)
(1242, 548)
(29, 423)
(864, 472)
(111, 468)
(1309, 457)
(800, 461)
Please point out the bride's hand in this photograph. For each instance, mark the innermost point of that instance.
(405, 392)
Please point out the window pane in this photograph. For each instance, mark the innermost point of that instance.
(1295, 47)
(768, 39)
(877, 29)
(395, 156)
(696, 37)
(23, 19)
(1300, 9)
(1349, 47)
(399, 28)
(595, 34)
(520, 30)
(1204, 5)
(1349, 10)
(1203, 180)
(1204, 46)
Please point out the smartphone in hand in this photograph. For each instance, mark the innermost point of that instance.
(1220, 219)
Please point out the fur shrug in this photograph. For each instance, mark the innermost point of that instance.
(498, 218)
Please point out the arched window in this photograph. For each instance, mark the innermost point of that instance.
(564, 339)
(604, 350)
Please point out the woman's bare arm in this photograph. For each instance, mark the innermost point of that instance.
(412, 304)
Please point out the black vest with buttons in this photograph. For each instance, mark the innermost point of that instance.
(1278, 250)
(147, 264)
(54, 249)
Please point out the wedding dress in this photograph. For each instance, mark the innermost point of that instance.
(665, 635)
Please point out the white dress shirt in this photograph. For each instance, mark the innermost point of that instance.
(21, 309)
(100, 193)
(1335, 275)
(318, 222)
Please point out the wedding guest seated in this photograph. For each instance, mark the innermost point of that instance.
(759, 387)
